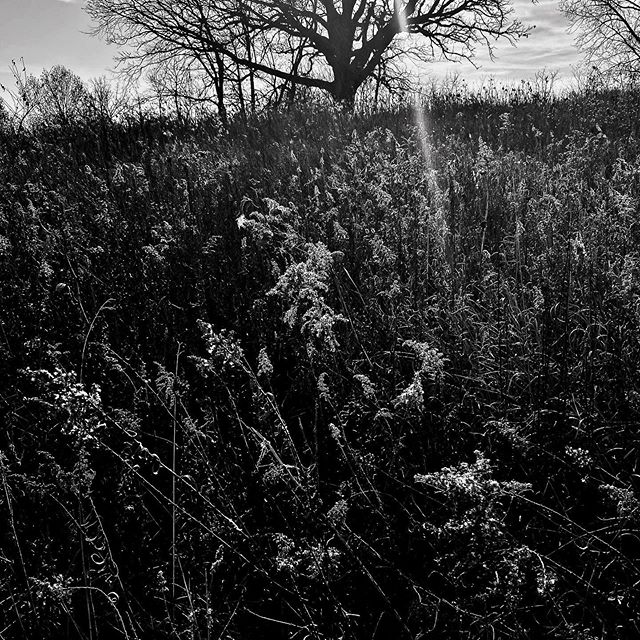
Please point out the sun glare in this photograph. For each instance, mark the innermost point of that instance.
(400, 8)
(420, 119)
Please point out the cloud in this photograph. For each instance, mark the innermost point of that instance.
(548, 46)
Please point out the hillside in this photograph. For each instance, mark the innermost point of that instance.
(324, 375)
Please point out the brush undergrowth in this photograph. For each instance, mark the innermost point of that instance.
(324, 375)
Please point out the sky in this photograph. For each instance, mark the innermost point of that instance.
(49, 32)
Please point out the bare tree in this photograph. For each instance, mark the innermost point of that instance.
(181, 86)
(57, 96)
(63, 98)
(18, 103)
(607, 32)
(110, 99)
(334, 45)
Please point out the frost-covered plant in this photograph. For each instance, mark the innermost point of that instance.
(431, 360)
(304, 289)
(625, 500)
(223, 348)
(368, 390)
(78, 408)
(309, 559)
(430, 367)
(412, 396)
(471, 483)
(475, 552)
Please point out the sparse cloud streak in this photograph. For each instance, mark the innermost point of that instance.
(549, 46)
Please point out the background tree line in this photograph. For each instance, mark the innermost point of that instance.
(247, 56)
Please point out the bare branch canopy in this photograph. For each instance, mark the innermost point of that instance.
(334, 45)
(607, 32)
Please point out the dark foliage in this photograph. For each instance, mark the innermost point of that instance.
(323, 375)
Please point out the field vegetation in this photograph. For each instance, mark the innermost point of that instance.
(323, 375)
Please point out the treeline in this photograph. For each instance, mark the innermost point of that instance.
(57, 98)
(323, 375)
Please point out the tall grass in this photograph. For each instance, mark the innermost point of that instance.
(324, 375)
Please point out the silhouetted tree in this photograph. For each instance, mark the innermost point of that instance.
(57, 96)
(110, 99)
(334, 45)
(608, 33)
(63, 98)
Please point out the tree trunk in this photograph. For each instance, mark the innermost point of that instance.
(345, 80)
(239, 80)
(344, 87)
(219, 84)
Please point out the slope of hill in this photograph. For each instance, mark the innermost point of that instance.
(324, 376)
